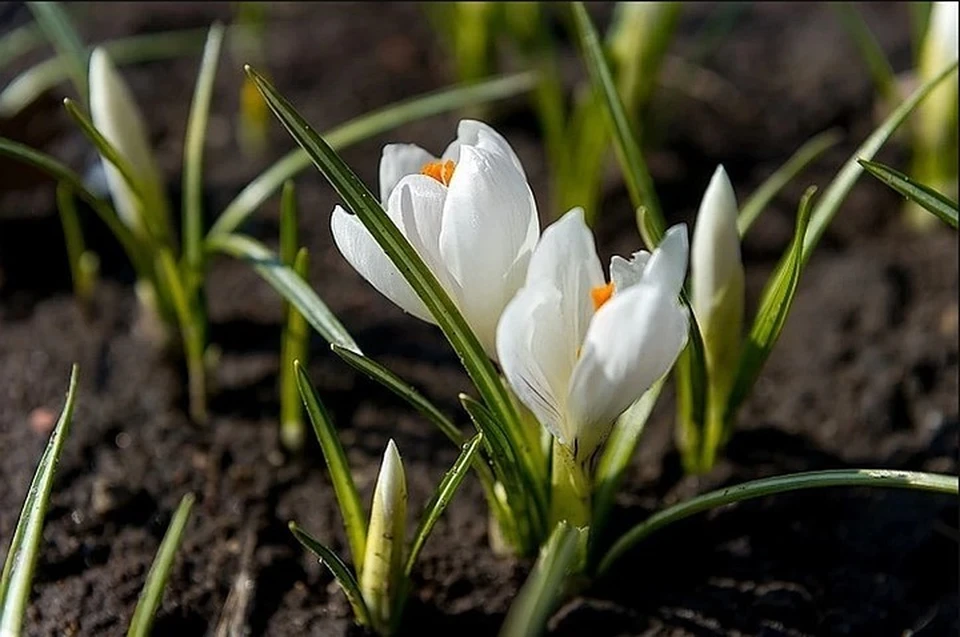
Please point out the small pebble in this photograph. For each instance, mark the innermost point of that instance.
(42, 420)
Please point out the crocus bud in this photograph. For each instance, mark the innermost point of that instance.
(716, 272)
(380, 580)
(116, 115)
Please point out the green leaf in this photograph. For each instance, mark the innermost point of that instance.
(152, 593)
(25, 547)
(544, 588)
(294, 347)
(346, 580)
(764, 194)
(841, 185)
(364, 204)
(441, 498)
(82, 277)
(285, 281)
(528, 504)
(379, 373)
(884, 79)
(19, 41)
(364, 127)
(289, 231)
(26, 87)
(925, 196)
(637, 177)
(58, 28)
(772, 312)
(617, 453)
(885, 478)
(354, 520)
(193, 160)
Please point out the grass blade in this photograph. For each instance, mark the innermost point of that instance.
(841, 185)
(56, 25)
(294, 347)
(354, 521)
(441, 498)
(764, 194)
(637, 177)
(285, 281)
(193, 252)
(931, 200)
(25, 547)
(544, 587)
(618, 451)
(772, 312)
(152, 593)
(886, 478)
(346, 580)
(19, 41)
(379, 373)
(364, 204)
(26, 87)
(884, 79)
(83, 264)
(364, 127)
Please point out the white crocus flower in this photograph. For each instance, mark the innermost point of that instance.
(716, 282)
(576, 351)
(471, 216)
(116, 115)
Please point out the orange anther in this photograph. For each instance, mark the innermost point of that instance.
(442, 171)
(601, 294)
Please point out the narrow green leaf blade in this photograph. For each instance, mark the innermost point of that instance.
(58, 28)
(775, 304)
(289, 234)
(24, 549)
(764, 194)
(152, 593)
(441, 498)
(83, 279)
(375, 371)
(286, 282)
(197, 123)
(877, 478)
(354, 520)
(841, 185)
(884, 79)
(346, 580)
(637, 177)
(26, 87)
(544, 587)
(364, 204)
(294, 347)
(923, 195)
(19, 41)
(364, 127)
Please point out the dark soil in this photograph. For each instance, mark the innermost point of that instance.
(865, 373)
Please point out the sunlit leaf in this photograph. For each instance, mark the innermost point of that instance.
(925, 196)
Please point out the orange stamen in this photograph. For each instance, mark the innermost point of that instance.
(442, 171)
(601, 294)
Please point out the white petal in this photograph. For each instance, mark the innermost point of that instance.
(361, 251)
(668, 263)
(715, 253)
(471, 132)
(421, 216)
(566, 258)
(396, 162)
(624, 273)
(535, 366)
(391, 489)
(489, 224)
(632, 341)
(116, 115)
(942, 31)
